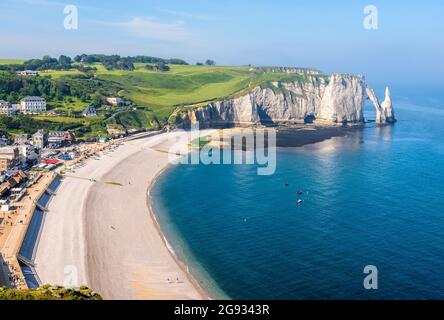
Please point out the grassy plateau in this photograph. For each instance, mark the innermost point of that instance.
(155, 94)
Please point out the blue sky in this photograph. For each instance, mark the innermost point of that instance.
(328, 35)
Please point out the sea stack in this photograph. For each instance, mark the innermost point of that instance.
(387, 107)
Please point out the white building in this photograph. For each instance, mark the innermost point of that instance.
(38, 139)
(27, 152)
(9, 158)
(115, 101)
(32, 104)
(90, 112)
(7, 108)
(56, 139)
(28, 73)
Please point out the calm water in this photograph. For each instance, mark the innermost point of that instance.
(374, 197)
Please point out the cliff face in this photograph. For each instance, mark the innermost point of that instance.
(338, 99)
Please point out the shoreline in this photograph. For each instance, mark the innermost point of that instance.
(99, 255)
(182, 264)
(315, 135)
(138, 257)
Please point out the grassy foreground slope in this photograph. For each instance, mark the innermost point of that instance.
(49, 293)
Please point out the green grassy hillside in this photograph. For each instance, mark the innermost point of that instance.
(156, 94)
(11, 61)
(180, 85)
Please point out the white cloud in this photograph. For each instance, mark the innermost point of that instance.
(150, 28)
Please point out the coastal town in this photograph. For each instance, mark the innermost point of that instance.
(45, 214)
(62, 133)
(28, 167)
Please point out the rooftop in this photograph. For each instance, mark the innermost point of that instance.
(29, 98)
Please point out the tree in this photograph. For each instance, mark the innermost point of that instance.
(210, 62)
(199, 64)
(97, 99)
(162, 67)
(64, 60)
(158, 67)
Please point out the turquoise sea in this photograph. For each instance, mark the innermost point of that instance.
(374, 197)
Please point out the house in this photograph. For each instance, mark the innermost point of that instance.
(38, 139)
(21, 138)
(90, 112)
(28, 153)
(7, 108)
(32, 104)
(56, 139)
(12, 182)
(69, 137)
(115, 101)
(9, 158)
(29, 73)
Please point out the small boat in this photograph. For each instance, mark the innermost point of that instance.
(300, 201)
(299, 193)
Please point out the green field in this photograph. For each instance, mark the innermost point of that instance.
(11, 61)
(182, 85)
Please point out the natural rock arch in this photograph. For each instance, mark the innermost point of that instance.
(384, 111)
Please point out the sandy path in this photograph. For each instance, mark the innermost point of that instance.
(103, 235)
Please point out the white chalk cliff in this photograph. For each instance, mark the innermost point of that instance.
(387, 107)
(334, 99)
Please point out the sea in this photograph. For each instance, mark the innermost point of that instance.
(370, 225)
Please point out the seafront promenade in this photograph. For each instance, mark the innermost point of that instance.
(14, 233)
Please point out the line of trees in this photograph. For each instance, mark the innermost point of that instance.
(80, 62)
(110, 62)
(208, 63)
(125, 63)
(46, 63)
(83, 87)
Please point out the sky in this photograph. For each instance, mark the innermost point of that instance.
(406, 47)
